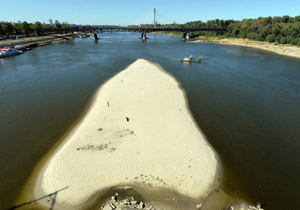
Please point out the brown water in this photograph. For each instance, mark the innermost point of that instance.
(246, 101)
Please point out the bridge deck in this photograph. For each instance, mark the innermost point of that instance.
(161, 29)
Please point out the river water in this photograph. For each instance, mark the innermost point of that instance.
(246, 101)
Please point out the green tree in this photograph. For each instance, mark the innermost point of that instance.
(57, 27)
(276, 30)
(283, 40)
(243, 34)
(252, 35)
(278, 38)
(276, 20)
(65, 26)
(271, 38)
(18, 28)
(48, 28)
(295, 30)
(25, 28)
(286, 30)
(7, 28)
(296, 41)
(289, 39)
(36, 27)
(1, 31)
(286, 19)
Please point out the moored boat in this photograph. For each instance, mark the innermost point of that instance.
(6, 52)
(20, 47)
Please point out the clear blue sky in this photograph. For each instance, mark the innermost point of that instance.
(126, 12)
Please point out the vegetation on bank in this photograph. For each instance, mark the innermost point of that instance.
(37, 28)
(283, 30)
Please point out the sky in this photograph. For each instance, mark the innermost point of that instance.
(133, 12)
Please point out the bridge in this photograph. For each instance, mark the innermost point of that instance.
(148, 30)
(144, 30)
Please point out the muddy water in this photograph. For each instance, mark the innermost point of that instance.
(246, 101)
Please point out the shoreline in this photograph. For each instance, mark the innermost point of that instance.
(280, 49)
(39, 40)
(171, 186)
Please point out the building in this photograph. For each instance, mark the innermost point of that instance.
(56, 22)
(50, 22)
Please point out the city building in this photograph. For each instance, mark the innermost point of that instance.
(50, 22)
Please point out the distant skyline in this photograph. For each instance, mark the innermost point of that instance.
(132, 12)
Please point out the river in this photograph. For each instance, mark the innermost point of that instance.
(246, 101)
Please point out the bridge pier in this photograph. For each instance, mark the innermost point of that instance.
(143, 36)
(186, 36)
(95, 36)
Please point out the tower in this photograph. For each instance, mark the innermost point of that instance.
(154, 18)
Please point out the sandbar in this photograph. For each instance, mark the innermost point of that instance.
(137, 131)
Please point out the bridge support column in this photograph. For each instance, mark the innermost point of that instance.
(143, 36)
(95, 36)
(186, 36)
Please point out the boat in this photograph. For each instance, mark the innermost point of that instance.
(6, 52)
(196, 60)
(20, 47)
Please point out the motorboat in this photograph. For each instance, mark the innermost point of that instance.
(6, 52)
(21, 48)
(186, 59)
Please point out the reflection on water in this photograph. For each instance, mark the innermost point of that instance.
(246, 101)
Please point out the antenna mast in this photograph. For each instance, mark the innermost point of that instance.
(154, 18)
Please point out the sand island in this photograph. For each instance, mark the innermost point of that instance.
(138, 131)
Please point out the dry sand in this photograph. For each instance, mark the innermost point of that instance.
(157, 146)
(281, 49)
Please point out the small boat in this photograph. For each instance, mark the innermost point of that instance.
(6, 52)
(20, 47)
(196, 60)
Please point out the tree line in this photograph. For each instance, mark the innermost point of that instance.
(283, 30)
(37, 28)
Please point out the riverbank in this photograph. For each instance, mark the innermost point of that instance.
(281, 49)
(139, 133)
(39, 40)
